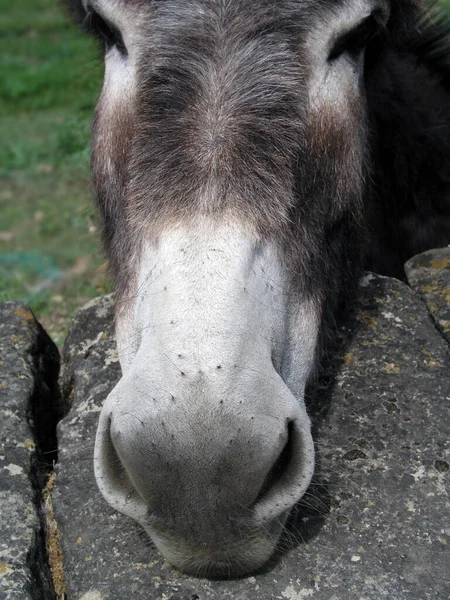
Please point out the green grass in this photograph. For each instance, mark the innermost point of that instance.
(50, 80)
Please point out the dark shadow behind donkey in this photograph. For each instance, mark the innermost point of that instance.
(408, 95)
(373, 207)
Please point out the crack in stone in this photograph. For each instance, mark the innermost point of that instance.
(44, 412)
(432, 316)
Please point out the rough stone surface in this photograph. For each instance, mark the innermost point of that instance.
(376, 522)
(29, 365)
(429, 274)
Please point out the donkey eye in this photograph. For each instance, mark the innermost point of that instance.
(354, 42)
(104, 31)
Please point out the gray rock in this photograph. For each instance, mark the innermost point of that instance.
(376, 521)
(29, 364)
(429, 274)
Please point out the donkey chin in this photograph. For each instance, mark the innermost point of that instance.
(205, 440)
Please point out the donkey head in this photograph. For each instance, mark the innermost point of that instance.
(229, 168)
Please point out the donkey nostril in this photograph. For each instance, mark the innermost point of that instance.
(111, 472)
(280, 466)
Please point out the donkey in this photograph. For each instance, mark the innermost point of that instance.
(249, 159)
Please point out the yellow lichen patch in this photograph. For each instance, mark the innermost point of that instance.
(92, 595)
(372, 342)
(29, 444)
(392, 368)
(365, 317)
(430, 287)
(433, 307)
(446, 293)
(149, 565)
(105, 335)
(445, 325)
(53, 538)
(24, 313)
(4, 568)
(79, 540)
(443, 293)
(430, 360)
(444, 263)
(350, 358)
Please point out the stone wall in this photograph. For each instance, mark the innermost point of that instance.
(30, 407)
(375, 523)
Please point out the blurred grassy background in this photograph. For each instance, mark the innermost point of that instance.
(50, 79)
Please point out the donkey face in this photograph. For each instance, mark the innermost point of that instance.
(228, 163)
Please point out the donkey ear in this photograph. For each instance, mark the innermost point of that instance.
(75, 9)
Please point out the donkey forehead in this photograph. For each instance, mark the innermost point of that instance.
(174, 13)
(216, 46)
(208, 113)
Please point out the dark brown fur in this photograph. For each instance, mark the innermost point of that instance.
(221, 111)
